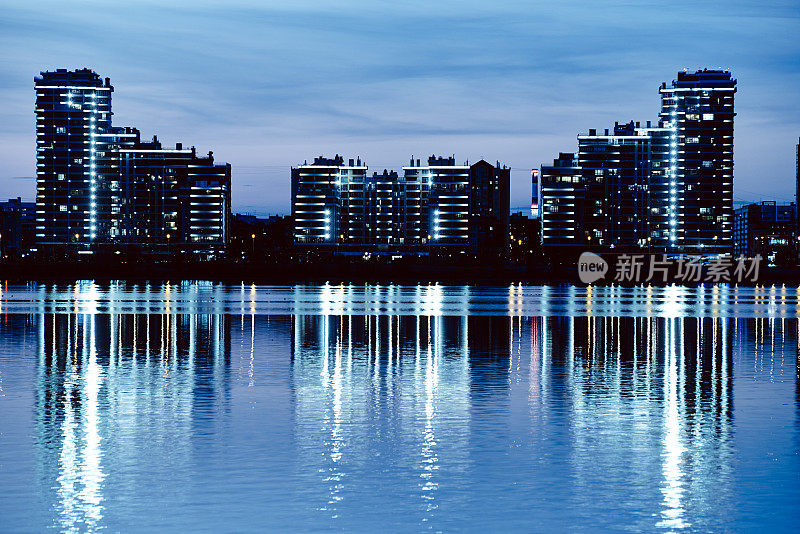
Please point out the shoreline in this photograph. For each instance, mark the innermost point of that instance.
(342, 273)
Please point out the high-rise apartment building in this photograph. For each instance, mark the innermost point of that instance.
(448, 200)
(101, 187)
(615, 170)
(667, 187)
(698, 110)
(315, 198)
(439, 204)
(72, 107)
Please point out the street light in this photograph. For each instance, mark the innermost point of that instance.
(253, 243)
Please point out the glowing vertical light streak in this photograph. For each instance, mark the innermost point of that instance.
(673, 449)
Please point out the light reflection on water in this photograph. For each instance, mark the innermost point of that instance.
(376, 407)
(431, 299)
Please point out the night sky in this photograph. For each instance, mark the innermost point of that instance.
(269, 86)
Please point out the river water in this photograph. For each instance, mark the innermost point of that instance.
(227, 408)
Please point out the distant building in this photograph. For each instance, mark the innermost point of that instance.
(797, 187)
(562, 204)
(260, 238)
(667, 187)
(489, 205)
(17, 226)
(767, 229)
(535, 193)
(101, 187)
(443, 205)
(524, 236)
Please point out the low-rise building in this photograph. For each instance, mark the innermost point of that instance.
(524, 235)
(767, 229)
(17, 227)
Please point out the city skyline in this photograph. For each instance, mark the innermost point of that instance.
(503, 83)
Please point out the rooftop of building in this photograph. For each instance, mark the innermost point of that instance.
(564, 159)
(628, 129)
(78, 77)
(435, 161)
(13, 203)
(702, 78)
(335, 161)
(768, 211)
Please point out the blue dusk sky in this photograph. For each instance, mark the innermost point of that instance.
(266, 85)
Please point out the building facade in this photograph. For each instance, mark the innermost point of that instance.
(562, 203)
(101, 187)
(315, 199)
(658, 188)
(439, 204)
(767, 229)
(615, 171)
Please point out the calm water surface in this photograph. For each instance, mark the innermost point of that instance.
(208, 407)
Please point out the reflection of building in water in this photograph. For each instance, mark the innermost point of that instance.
(620, 377)
(770, 349)
(489, 349)
(100, 376)
(408, 375)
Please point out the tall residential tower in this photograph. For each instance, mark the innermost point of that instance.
(72, 108)
(698, 110)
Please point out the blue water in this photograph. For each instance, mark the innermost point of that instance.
(211, 408)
